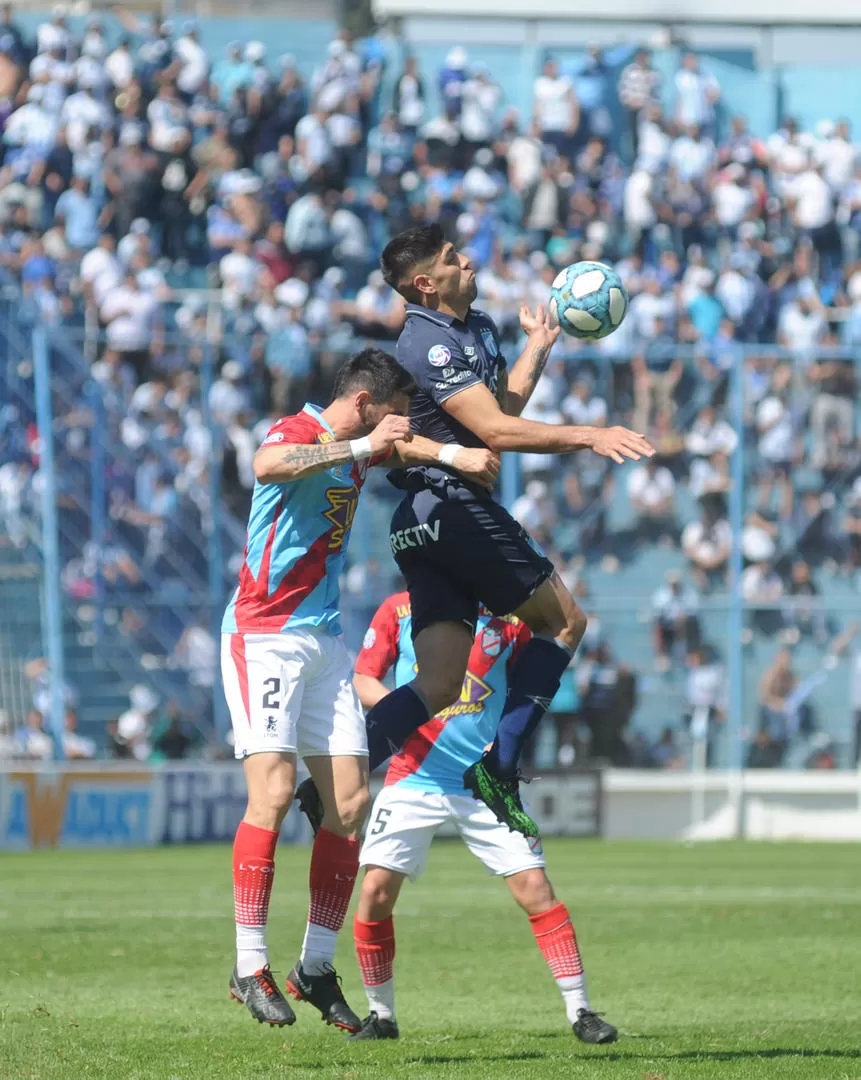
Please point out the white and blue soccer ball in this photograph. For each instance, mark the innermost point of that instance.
(588, 300)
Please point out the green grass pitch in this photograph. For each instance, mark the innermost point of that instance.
(725, 960)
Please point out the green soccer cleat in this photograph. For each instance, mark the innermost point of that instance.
(502, 795)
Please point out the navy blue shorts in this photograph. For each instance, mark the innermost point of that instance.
(457, 551)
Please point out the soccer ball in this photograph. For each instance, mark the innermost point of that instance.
(588, 300)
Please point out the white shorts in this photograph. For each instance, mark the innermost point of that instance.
(404, 820)
(292, 693)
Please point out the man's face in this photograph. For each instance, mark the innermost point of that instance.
(370, 414)
(449, 276)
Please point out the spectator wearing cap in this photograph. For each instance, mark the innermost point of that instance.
(555, 108)
(639, 86)
(450, 80)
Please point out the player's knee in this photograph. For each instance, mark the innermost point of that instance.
(575, 626)
(378, 897)
(532, 891)
(269, 800)
(441, 689)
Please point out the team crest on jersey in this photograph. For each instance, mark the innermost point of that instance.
(489, 341)
(473, 695)
(491, 641)
(439, 355)
(342, 510)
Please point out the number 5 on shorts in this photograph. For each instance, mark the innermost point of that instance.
(381, 821)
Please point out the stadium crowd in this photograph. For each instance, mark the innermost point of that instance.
(207, 229)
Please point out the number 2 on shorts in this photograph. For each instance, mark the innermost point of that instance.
(270, 698)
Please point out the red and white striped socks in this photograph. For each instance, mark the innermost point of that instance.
(334, 867)
(253, 873)
(554, 934)
(375, 948)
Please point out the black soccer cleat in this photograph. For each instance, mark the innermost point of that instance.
(260, 994)
(590, 1027)
(502, 795)
(376, 1027)
(324, 993)
(310, 803)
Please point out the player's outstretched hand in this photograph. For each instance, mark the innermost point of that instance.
(391, 429)
(618, 443)
(480, 466)
(540, 322)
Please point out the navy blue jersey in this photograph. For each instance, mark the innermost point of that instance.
(445, 356)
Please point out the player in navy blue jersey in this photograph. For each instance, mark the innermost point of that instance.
(458, 548)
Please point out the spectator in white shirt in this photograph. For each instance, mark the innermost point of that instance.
(776, 442)
(696, 95)
(524, 159)
(120, 65)
(705, 697)
(801, 328)
(707, 544)
(239, 273)
(555, 108)
(194, 63)
(75, 746)
(639, 86)
(583, 408)
(33, 741)
(227, 397)
(166, 114)
(652, 491)
(130, 316)
(692, 155)
(675, 626)
(837, 155)
(814, 210)
(710, 434)
(480, 99)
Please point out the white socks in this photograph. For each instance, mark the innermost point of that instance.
(318, 949)
(573, 989)
(251, 954)
(381, 999)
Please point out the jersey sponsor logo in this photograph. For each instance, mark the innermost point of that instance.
(453, 380)
(447, 372)
(469, 351)
(439, 355)
(342, 510)
(474, 693)
(417, 536)
(491, 641)
(325, 437)
(273, 436)
(403, 611)
(370, 638)
(489, 341)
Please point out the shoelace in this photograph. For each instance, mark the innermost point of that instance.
(333, 977)
(266, 981)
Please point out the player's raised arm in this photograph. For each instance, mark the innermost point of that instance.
(281, 463)
(530, 365)
(478, 410)
(478, 465)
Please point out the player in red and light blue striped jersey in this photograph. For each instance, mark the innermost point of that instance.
(425, 790)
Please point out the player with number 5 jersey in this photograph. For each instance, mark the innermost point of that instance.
(424, 790)
(287, 674)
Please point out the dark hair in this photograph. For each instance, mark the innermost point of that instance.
(375, 371)
(405, 252)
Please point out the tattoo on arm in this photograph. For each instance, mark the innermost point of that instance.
(306, 459)
(539, 362)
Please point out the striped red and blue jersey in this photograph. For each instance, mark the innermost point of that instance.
(297, 540)
(434, 757)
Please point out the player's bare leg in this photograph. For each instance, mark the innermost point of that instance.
(271, 779)
(442, 653)
(342, 784)
(555, 937)
(558, 625)
(374, 935)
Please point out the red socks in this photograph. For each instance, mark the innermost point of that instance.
(253, 871)
(334, 867)
(555, 936)
(375, 948)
